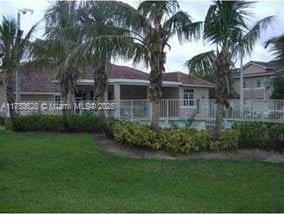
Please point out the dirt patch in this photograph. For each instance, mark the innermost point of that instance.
(242, 154)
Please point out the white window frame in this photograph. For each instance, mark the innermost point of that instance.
(188, 97)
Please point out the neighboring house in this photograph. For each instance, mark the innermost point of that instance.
(124, 83)
(258, 79)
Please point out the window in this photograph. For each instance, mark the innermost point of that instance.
(57, 100)
(91, 95)
(245, 84)
(259, 83)
(188, 96)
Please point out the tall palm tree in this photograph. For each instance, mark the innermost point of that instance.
(61, 37)
(152, 25)
(12, 49)
(277, 48)
(101, 42)
(226, 27)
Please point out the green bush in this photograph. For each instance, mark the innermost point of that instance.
(261, 135)
(228, 140)
(2, 121)
(178, 140)
(37, 122)
(136, 134)
(8, 123)
(54, 123)
(87, 122)
(183, 140)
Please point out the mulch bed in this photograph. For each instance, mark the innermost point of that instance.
(109, 145)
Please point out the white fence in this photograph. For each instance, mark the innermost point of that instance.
(264, 110)
(175, 110)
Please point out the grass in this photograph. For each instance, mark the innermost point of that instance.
(66, 173)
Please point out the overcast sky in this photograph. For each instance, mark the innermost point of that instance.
(178, 54)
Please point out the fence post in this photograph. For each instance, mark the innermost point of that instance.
(150, 110)
(131, 110)
(168, 110)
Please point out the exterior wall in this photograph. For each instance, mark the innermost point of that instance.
(131, 92)
(236, 86)
(140, 92)
(37, 98)
(170, 93)
(199, 93)
(252, 91)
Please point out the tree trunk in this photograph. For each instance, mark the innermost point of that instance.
(222, 75)
(101, 77)
(70, 100)
(10, 96)
(68, 83)
(155, 88)
(219, 120)
(65, 110)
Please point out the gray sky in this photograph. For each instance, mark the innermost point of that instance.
(178, 53)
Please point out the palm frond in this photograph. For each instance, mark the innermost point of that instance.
(277, 48)
(224, 19)
(180, 24)
(152, 9)
(202, 63)
(125, 16)
(250, 38)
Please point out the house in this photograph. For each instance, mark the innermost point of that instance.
(124, 83)
(258, 78)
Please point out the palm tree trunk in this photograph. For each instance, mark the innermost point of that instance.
(64, 95)
(10, 96)
(67, 89)
(155, 88)
(222, 74)
(100, 80)
(71, 101)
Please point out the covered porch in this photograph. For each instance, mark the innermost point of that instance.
(131, 100)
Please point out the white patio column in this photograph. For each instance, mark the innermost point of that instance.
(116, 99)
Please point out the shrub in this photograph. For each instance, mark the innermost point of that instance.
(87, 122)
(37, 122)
(228, 140)
(133, 133)
(178, 140)
(8, 123)
(183, 140)
(261, 135)
(2, 121)
(54, 123)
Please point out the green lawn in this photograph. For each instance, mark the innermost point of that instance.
(66, 173)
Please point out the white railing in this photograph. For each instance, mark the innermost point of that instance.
(178, 109)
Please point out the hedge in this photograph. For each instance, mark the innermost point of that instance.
(178, 140)
(54, 123)
(261, 135)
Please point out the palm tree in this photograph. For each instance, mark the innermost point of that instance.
(226, 28)
(277, 48)
(101, 42)
(152, 25)
(12, 49)
(61, 37)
